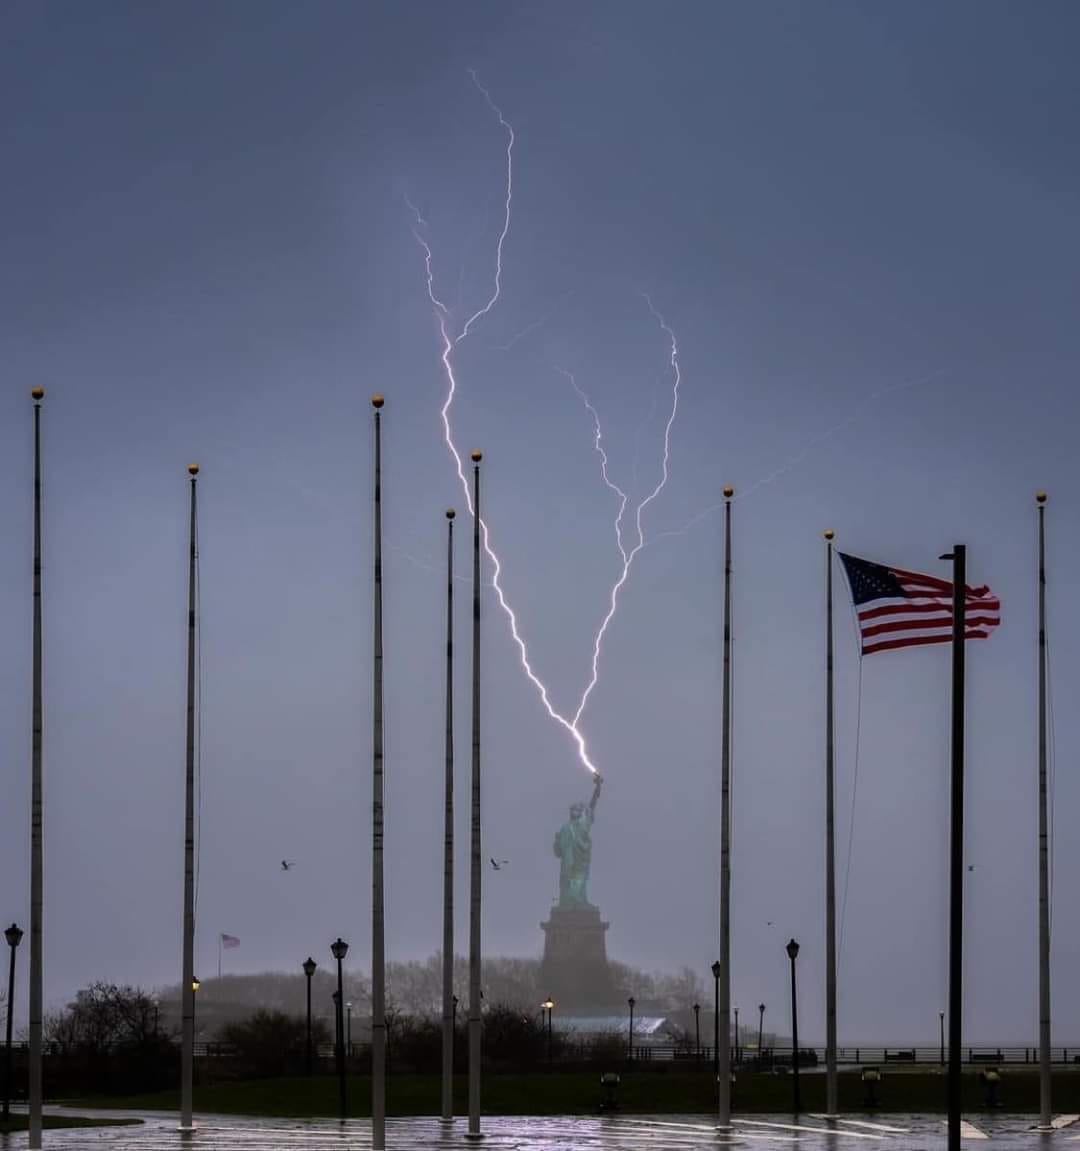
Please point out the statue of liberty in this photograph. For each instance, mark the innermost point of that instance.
(573, 846)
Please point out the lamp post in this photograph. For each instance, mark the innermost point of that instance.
(196, 983)
(941, 1020)
(339, 949)
(348, 1029)
(455, 1014)
(792, 951)
(716, 969)
(760, 1027)
(697, 1029)
(631, 1001)
(547, 1005)
(13, 935)
(736, 1035)
(187, 958)
(309, 971)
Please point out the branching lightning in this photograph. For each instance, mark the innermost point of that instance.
(598, 446)
(450, 342)
(628, 557)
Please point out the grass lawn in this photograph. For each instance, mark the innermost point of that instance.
(578, 1093)
(21, 1122)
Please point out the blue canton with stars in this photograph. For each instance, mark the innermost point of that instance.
(870, 581)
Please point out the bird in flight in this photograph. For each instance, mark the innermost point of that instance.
(499, 864)
(288, 864)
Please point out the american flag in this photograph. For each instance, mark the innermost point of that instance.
(898, 608)
(228, 941)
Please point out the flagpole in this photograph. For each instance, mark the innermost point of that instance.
(219, 955)
(475, 846)
(1045, 1110)
(36, 808)
(378, 945)
(724, 988)
(187, 991)
(448, 842)
(956, 864)
(830, 842)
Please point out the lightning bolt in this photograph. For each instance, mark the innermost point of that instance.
(598, 446)
(450, 342)
(629, 556)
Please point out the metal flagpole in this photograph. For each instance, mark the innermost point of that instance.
(187, 991)
(830, 844)
(724, 985)
(378, 944)
(1045, 1112)
(956, 863)
(448, 842)
(475, 863)
(36, 810)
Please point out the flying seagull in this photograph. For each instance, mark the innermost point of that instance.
(288, 864)
(499, 864)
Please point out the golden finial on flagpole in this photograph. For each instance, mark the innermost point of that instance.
(193, 470)
(476, 455)
(37, 393)
(829, 534)
(377, 400)
(1040, 497)
(450, 513)
(729, 491)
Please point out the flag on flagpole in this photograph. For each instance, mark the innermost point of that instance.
(228, 941)
(898, 608)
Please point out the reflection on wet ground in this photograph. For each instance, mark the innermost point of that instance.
(617, 1133)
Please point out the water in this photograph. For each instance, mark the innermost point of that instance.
(505, 1133)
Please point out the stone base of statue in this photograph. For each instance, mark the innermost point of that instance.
(575, 971)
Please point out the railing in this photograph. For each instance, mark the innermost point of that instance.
(780, 1057)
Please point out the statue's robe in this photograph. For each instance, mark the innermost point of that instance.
(573, 846)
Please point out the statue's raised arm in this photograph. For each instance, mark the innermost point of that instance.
(598, 783)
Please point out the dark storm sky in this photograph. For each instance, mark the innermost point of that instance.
(206, 255)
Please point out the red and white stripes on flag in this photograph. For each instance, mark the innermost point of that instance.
(228, 941)
(898, 608)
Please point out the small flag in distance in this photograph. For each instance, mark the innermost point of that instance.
(228, 941)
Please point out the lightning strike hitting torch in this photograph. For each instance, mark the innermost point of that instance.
(450, 342)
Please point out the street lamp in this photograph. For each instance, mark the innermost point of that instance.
(196, 983)
(697, 1029)
(792, 951)
(716, 969)
(13, 935)
(348, 1029)
(941, 1020)
(760, 1028)
(309, 970)
(631, 1001)
(339, 949)
(547, 1005)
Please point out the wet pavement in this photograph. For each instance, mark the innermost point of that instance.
(554, 1133)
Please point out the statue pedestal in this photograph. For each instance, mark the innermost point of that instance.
(575, 971)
